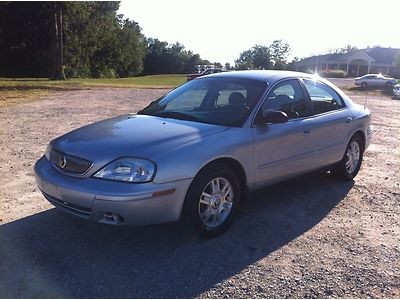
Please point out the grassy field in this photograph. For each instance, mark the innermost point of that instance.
(21, 90)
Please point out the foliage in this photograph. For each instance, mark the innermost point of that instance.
(262, 57)
(245, 60)
(97, 42)
(292, 66)
(344, 50)
(257, 57)
(162, 58)
(279, 51)
(24, 45)
(228, 66)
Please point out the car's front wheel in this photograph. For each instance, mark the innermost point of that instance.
(212, 200)
(364, 85)
(351, 162)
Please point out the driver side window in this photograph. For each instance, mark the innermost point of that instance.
(287, 97)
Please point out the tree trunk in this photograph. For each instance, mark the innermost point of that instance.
(58, 47)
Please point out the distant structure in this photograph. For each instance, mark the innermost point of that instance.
(355, 63)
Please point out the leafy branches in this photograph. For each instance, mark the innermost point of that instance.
(263, 57)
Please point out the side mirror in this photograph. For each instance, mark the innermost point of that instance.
(274, 116)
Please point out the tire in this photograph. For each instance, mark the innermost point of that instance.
(388, 85)
(364, 85)
(350, 164)
(213, 200)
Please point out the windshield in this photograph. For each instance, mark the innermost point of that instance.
(219, 101)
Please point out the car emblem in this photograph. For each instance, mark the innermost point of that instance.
(63, 162)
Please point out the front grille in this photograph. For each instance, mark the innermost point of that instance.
(69, 163)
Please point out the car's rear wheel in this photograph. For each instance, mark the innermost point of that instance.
(350, 164)
(388, 84)
(364, 85)
(212, 200)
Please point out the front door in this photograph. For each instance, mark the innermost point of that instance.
(282, 151)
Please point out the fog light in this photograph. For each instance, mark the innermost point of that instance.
(112, 218)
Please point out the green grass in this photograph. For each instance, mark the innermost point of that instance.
(151, 81)
(20, 90)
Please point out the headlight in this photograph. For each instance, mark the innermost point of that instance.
(128, 169)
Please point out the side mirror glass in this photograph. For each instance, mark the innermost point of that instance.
(274, 116)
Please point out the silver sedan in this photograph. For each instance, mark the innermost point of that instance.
(374, 80)
(196, 152)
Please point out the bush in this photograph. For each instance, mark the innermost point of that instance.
(333, 74)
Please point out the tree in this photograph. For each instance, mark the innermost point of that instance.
(257, 57)
(83, 38)
(162, 58)
(261, 57)
(131, 50)
(245, 60)
(279, 52)
(344, 50)
(58, 46)
(25, 39)
(292, 66)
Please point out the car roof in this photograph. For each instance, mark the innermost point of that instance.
(373, 74)
(269, 76)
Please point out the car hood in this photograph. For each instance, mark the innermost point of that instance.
(131, 135)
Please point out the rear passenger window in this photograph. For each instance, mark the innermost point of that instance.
(323, 97)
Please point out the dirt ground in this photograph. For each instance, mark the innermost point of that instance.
(318, 238)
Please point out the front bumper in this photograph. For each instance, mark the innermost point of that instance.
(111, 202)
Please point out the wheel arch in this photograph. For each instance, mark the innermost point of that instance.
(362, 135)
(235, 165)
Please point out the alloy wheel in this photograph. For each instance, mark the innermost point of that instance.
(216, 202)
(353, 157)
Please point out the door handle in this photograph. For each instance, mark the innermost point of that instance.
(349, 119)
(306, 131)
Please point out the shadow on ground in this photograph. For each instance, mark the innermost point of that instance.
(386, 91)
(53, 255)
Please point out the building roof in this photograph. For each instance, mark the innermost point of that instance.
(377, 55)
(320, 59)
(384, 55)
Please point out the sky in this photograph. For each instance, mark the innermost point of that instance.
(219, 30)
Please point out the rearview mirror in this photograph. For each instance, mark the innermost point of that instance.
(274, 116)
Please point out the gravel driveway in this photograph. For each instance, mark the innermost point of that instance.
(318, 237)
